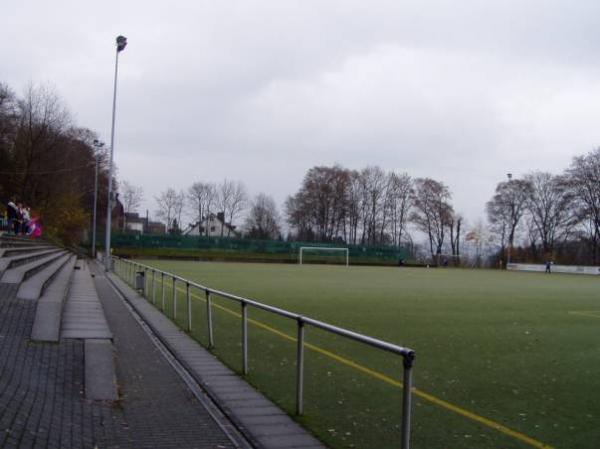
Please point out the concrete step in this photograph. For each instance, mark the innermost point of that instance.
(21, 272)
(20, 250)
(20, 259)
(83, 316)
(32, 288)
(48, 314)
(7, 241)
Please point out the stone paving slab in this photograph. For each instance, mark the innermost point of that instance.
(265, 424)
(100, 379)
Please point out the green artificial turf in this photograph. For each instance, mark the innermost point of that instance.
(501, 345)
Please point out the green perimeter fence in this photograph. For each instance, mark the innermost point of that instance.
(245, 249)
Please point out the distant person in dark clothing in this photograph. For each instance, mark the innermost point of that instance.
(548, 266)
(12, 212)
(19, 220)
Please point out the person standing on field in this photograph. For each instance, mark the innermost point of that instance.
(548, 266)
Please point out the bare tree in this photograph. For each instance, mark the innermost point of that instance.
(374, 187)
(505, 210)
(583, 177)
(237, 203)
(454, 224)
(178, 207)
(44, 121)
(318, 210)
(231, 200)
(432, 212)
(224, 193)
(353, 196)
(167, 202)
(262, 221)
(550, 205)
(399, 204)
(201, 197)
(132, 198)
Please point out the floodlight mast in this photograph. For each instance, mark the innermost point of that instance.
(509, 176)
(121, 44)
(98, 145)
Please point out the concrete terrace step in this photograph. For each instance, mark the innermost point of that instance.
(14, 261)
(21, 272)
(83, 316)
(20, 250)
(48, 314)
(6, 241)
(33, 286)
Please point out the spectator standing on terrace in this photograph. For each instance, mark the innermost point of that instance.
(25, 220)
(19, 219)
(11, 214)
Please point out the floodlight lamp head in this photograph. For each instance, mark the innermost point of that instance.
(121, 43)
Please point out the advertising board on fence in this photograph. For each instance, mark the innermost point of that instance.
(571, 269)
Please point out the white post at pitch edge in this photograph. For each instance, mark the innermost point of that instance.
(121, 44)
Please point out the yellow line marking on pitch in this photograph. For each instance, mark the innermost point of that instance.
(589, 313)
(417, 392)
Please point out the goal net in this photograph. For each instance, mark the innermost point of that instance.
(448, 260)
(320, 254)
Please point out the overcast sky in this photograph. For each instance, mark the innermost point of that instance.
(260, 91)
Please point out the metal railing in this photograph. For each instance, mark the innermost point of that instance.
(129, 270)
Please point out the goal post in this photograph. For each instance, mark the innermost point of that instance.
(445, 260)
(304, 249)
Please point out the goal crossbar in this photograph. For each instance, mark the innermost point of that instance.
(323, 248)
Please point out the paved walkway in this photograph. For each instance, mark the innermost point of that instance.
(263, 423)
(42, 385)
(41, 389)
(159, 408)
(42, 403)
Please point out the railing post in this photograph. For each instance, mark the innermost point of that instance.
(154, 287)
(300, 369)
(211, 340)
(244, 338)
(189, 306)
(162, 290)
(406, 399)
(174, 299)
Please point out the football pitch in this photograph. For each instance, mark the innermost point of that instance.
(504, 359)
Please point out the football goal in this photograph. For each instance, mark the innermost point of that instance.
(322, 254)
(445, 260)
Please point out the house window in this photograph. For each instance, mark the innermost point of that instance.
(212, 229)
